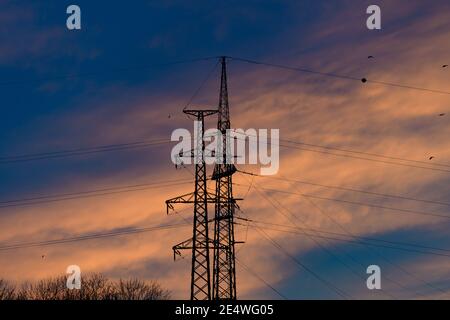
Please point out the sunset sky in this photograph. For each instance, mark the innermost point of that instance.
(114, 82)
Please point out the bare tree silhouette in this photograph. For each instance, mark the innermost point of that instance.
(7, 290)
(94, 286)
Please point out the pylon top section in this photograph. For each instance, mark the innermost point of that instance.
(197, 113)
(224, 113)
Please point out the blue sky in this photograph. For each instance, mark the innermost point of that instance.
(121, 91)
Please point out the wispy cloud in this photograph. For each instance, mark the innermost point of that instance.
(370, 117)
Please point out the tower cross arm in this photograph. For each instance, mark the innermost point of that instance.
(205, 113)
(190, 198)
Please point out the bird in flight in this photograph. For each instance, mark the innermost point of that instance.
(441, 114)
(432, 157)
(370, 57)
(445, 66)
(43, 256)
(363, 80)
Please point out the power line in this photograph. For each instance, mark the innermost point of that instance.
(90, 193)
(356, 239)
(339, 76)
(330, 252)
(200, 87)
(350, 189)
(345, 240)
(400, 210)
(140, 187)
(134, 231)
(352, 236)
(373, 245)
(253, 273)
(379, 254)
(56, 195)
(329, 285)
(118, 233)
(149, 143)
(103, 72)
(324, 248)
(355, 156)
(367, 159)
(82, 151)
(383, 156)
(334, 221)
(365, 153)
(89, 237)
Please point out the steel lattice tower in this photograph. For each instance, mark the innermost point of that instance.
(199, 243)
(224, 272)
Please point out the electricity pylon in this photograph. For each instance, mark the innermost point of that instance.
(199, 243)
(224, 271)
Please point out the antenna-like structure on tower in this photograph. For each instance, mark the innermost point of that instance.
(224, 271)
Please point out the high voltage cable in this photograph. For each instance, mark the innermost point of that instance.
(99, 236)
(400, 210)
(249, 270)
(108, 146)
(82, 151)
(355, 156)
(349, 189)
(356, 242)
(378, 253)
(356, 239)
(329, 285)
(280, 66)
(162, 184)
(88, 194)
(149, 143)
(57, 195)
(330, 252)
(156, 184)
(359, 237)
(102, 235)
(89, 237)
(200, 87)
(290, 141)
(103, 72)
(365, 153)
(324, 248)
(382, 256)
(124, 232)
(391, 280)
(367, 159)
(405, 211)
(339, 76)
